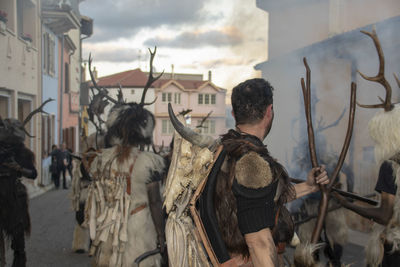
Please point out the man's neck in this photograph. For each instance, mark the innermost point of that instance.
(253, 129)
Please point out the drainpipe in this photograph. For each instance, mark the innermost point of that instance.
(60, 141)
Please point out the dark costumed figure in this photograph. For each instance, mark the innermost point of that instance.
(383, 249)
(16, 161)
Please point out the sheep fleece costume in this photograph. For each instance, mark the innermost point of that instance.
(117, 210)
(384, 128)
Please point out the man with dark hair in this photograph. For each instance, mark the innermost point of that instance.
(249, 187)
(260, 185)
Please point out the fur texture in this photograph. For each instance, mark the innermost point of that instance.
(303, 255)
(253, 171)
(384, 128)
(80, 241)
(14, 212)
(335, 224)
(129, 124)
(391, 232)
(130, 175)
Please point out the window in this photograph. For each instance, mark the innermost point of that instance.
(213, 99)
(164, 126)
(208, 127)
(167, 127)
(212, 126)
(66, 77)
(4, 106)
(26, 21)
(207, 99)
(166, 97)
(177, 98)
(48, 54)
(48, 133)
(24, 108)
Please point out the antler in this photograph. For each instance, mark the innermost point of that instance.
(151, 79)
(39, 109)
(204, 120)
(323, 206)
(380, 77)
(95, 83)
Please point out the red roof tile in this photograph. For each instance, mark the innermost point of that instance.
(137, 78)
(130, 78)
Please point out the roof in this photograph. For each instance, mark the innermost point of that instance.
(130, 78)
(138, 78)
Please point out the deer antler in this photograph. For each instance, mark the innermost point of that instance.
(101, 91)
(380, 77)
(151, 79)
(323, 206)
(204, 120)
(39, 109)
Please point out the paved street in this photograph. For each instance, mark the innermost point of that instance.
(53, 223)
(52, 226)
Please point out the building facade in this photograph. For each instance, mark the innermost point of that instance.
(20, 72)
(183, 91)
(328, 34)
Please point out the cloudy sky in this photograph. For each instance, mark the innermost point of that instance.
(227, 37)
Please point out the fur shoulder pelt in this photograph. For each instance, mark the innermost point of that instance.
(304, 255)
(253, 171)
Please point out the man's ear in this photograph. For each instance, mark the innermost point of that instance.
(269, 110)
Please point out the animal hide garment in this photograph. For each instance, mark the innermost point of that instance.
(189, 166)
(119, 232)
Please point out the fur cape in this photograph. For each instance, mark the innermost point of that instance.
(384, 128)
(117, 210)
(390, 233)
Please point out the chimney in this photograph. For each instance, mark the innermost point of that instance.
(172, 72)
(95, 73)
(209, 75)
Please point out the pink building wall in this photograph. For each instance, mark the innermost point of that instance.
(189, 100)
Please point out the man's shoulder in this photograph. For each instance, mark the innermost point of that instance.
(253, 171)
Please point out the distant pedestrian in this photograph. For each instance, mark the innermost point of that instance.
(55, 167)
(64, 162)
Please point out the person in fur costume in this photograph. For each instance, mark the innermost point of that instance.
(249, 221)
(383, 249)
(16, 161)
(124, 208)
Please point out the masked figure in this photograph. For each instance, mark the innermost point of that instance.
(16, 161)
(124, 209)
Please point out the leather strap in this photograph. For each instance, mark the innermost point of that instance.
(139, 208)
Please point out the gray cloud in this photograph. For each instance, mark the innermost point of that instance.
(194, 40)
(124, 18)
(115, 55)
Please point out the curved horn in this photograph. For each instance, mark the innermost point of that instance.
(187, 133)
